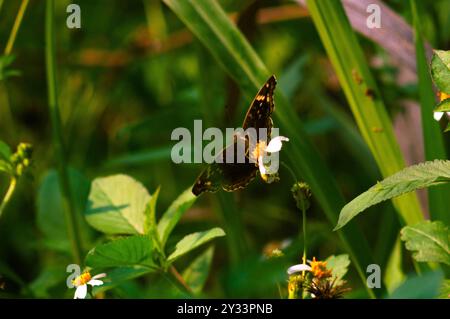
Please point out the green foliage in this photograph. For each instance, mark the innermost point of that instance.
(411, 178)
(362, 94)
(339, 266)
(5, 62)
(196, 274)
(440, 70)
(429, 241)
(193, 241)
(443, 106)
(173, 214)
(116, 205)
(5, 155)
(438, 202)
(50, 219)
(426, 286)
(128, 251)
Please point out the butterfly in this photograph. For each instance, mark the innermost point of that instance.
(234, 176)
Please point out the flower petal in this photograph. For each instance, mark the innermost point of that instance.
(438, 115)
(298, 268)
(101, 275)
(95, 282)
(262, 168)
(275, 144)
(80, 292)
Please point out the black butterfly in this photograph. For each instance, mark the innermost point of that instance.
(233, 176)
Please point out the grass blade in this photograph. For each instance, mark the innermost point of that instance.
(362, 94)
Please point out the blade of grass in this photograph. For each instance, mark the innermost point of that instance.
(16, 26)
(57, 137)
(212, 27)
(363, 96)
(439, 205)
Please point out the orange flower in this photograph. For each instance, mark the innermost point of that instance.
(319, 269)
(443, 96)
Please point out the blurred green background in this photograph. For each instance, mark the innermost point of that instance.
(132, 74)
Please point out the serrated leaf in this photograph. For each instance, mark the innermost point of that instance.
(173, 214)
(117, 204)
(429, 241)
(339, 266)
(440, 70)
(196, 274)
(443, 106)
(407, 180)
(125, 252)
(192, 241)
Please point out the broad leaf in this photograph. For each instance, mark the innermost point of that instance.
(173, 214)
(339, 266)
(129, 251)
(119, 275)
(192, 241)
(407, 180)
(430, 241)
(440, 70)
(50, 209)
(196, 274)
(117, 204)
(426, 286)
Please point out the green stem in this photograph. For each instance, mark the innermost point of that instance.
(16, 26)
(8, 195)
(58, 144)
(175, 277)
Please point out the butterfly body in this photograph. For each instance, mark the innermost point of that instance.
(232, 175)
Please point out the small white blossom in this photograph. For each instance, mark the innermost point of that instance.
(83, 280)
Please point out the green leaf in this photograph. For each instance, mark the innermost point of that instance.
(150, 212)
(443, 106)
(5, 62)
(440, 70)
(129, 251)
(117, 204)
(192, 241)
(445, 290)
(407, 180)
(438, 203)
(196, 274)
(117, 276)
(430, 241)
(173, 214)
(5, 151)
(425, 286)
(50, 217)
(211, 25)
(339, 266)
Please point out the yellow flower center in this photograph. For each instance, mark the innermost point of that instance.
(319, 269)
(259, 150)
(81, 280)
(443, 96)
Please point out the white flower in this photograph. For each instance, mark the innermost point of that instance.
(260, 153)
(298, 268)
(83, 280)
(438, 115)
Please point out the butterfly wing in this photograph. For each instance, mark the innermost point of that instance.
(233, 176)
(260, 111)
(228, 176)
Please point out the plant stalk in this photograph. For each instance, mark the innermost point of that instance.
(16, 26)
(58, 143)
(8, 195)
